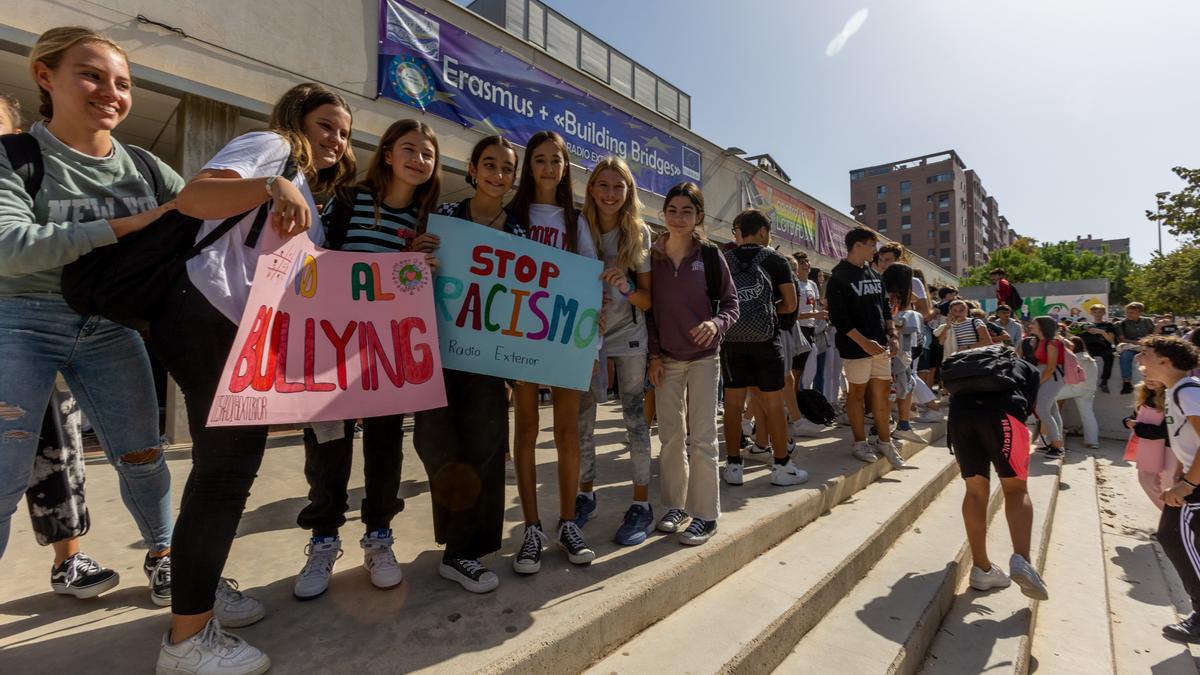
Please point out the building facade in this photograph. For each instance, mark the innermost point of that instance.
(935, 206)
(1100, 246)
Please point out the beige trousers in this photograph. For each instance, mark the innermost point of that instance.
(690, 476)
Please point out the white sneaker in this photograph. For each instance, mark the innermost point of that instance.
(212, 651)
(862, 451)
(732, 473)
(788, 474)
(908, 435)
(313, 579)
(993, 578)
(379, 559)
(235, 609)
(758, 453)
(804, 428)
(1027, 578)
(929, 417)
(892, 453)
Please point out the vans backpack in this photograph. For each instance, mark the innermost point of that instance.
(756, 299)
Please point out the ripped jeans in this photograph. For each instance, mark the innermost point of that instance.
(108, 370)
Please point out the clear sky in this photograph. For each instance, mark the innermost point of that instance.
(1072, 111)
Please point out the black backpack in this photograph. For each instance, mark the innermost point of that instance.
(710, 255)
(756, 299)
(1015, 300)
(1175, 397)
(815, 407)
(129, 282)
(981, 370)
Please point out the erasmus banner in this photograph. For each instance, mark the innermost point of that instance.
(438, 67)
(792, 220)
(331, 335)
(511, 307)
(833, 237)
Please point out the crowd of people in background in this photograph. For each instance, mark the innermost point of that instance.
(694, 333)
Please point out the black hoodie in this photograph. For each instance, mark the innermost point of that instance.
(857, 301)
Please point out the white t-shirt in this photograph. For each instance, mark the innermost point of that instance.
(224, 271)
(546, 226)
(918, 290)
(626, 324)
(807, 297)
(1181, 435)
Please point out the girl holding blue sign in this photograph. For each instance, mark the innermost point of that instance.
(694, 303)
(613, 214)
(545, 204)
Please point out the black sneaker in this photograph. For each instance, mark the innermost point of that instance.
(469, 574)
(82, 577)
(158, 571)
(673, 521)
(1104, 387)
(529, 558)
(698, 531)
(1127, 388)
(570, 538)
(1187, 630)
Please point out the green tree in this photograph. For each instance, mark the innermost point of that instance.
(1180, 211)
(1027, 261)
(1169, 283)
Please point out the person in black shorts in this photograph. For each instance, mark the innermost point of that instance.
(752, 353)
(988, 430)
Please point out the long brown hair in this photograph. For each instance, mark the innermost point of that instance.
(52, 45)
(379, 173)
(631, 245)
(564, 194)
(287, 120)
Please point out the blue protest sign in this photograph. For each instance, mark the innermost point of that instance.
(514, 308)
(438, 67)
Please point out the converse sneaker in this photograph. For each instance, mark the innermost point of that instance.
(804, 428)
(637, 525)
(698, 531)
(379, 559)
(313, 579)
(158, 572)
(888, 449)
(993, 578)
(83, 577)
(862, 451)
(212, 651)
(585, 508)
(469, 574)
(233, 608)
(529, 558)
(1027, 578)
(673, 521)
(788, 474)
(732, 473)
(757, 453)
(571, 541)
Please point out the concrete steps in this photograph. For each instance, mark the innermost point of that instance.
(753, 616)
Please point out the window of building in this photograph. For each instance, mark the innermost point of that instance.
(857, 175)
(944, 218)
(945, 254)
(881, 224)
(929, 216)
(620, 74)
(905, 222)
(944, 236)
(906, 239)
(644, 87)
(881, 207)
(931, 234)
(514, 17)
(880, 191)
(537, 24)
(593, 56)
(905, 187)
(905, 204)
(933, 253)
(944, 202)
(562, 40)
(685, 110)
(940, 178)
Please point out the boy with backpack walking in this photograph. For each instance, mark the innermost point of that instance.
(752, 353)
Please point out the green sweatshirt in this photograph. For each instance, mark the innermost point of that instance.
(69, 218)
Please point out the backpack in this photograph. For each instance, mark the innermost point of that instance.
(815, 407)
(1015, 300)
(1072, 372)
(756, 299)
(981, 370)
(1189, 384)
(129, 282)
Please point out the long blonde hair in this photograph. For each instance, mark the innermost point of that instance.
(631, 251)
(287, 120)
(1143, 395)
(52, 45)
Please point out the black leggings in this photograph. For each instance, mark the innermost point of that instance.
(327, 468)
(193, 340)
(462, 447)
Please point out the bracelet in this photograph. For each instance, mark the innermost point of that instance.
(270, 185)
(1188, 482)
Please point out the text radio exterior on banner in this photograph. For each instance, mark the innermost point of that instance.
(430, 64)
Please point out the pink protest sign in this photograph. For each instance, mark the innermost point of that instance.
(331, 335)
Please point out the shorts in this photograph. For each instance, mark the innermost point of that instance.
(860, 371)
(753, 364)
(982, 437)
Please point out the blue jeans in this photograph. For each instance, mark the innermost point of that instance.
(108, 370)
(1127, 364)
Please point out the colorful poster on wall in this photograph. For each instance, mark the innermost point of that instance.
(331, 335)
(833, 236)
(514, 308)
(1057, 306)
(792, 220)
(438, 67)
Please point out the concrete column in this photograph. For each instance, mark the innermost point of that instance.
(202, 127)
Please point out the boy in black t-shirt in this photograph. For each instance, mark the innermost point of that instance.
(1100, 338)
